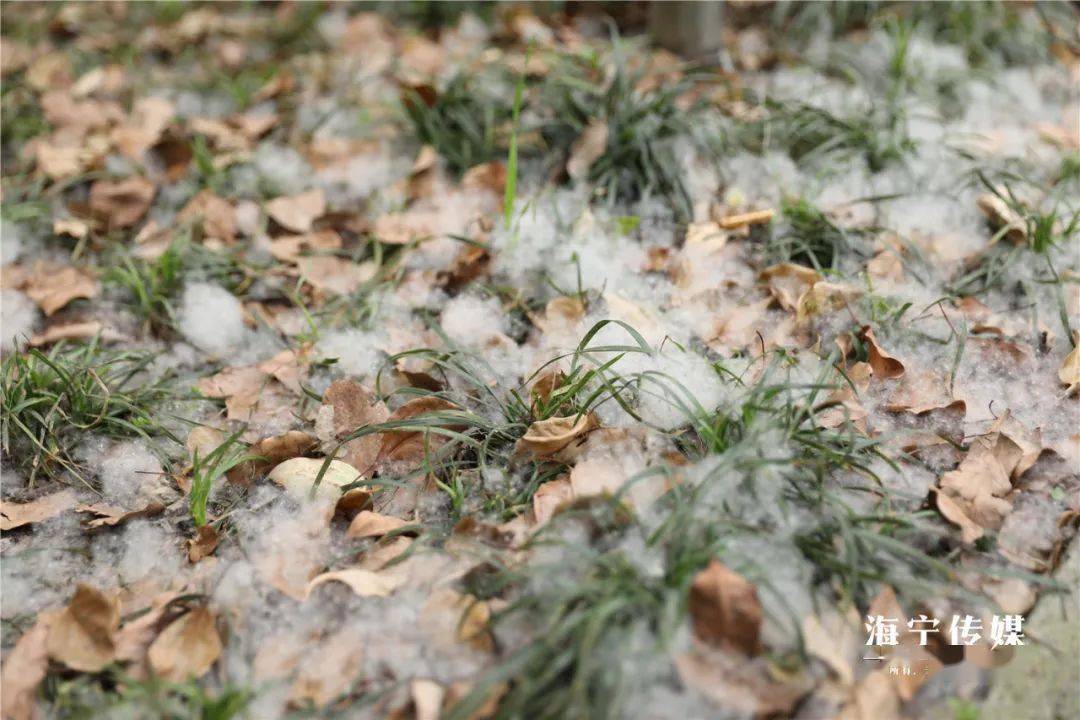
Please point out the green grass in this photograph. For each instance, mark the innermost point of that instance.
(115, 695)
(808, 237)
(205, 471)
(52, 400)
(465, 121)
(639, 159)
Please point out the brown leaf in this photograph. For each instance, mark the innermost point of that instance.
(725, 610)
(978, 485)
(298, 212)
(951, 510)
(1069, 374)
(550, 497)
(203, 544)
(754, 217)
(350, 406)
(24, 668)
(333, 274)
(270, 452)
(885, 366)
(187, 648)
(109, 516)
(788, 281)
(490, 176)
(587, 149)
(83, 637)
(372, 524)
(14, 515)
(751, 689)
(143, 130)
(121, 203)
(328, 671)
(67, 331)
(365, 583)
(216, 215)
(59, 161)
(53, 286)
(547, 437)
(1002, 217)
(412, 445)
(874, 698)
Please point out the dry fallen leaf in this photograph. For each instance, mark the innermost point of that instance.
(587, 149)
(298, 476)
(187, 648)
(14, 515)
(1069, 374)
(550, 497)
(874, 698)
(297, 213)
(338, 275)
(725, 610)
(54, 286)
(1002, 217)
(372, 524)
(885, 366)
(70, 331)
(754, 217)
(745, 689)
(547, 437)
(203, 544)
(108, 516)
(25, 666)
(365, 583)
(413, 445)
(327, 672)
(121, 203)
(268, 453)
(216, 215)
(788, 281)
(83, 636)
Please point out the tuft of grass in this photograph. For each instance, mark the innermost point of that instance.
(114, 694)
(51, 400)
(464, 122)
(206, 470)
(152, 284)
(643, 126)
(807, 237)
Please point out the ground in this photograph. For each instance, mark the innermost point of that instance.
(431, 360)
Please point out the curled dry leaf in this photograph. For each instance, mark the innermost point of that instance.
(725, 610)
(53, 286)
(203, 544)
(270, 452)
(587, 149)
(754, 217)
(83, 636)
(412, 445)
(885, 366)
(788, 281)
(824, 297)
(15, 515)
(297, 213)
(547, 437)
(24, 668)
(1069, 374)
(427, 699)
(298, 476)
(187, 648)
(365, 583)
(70, 331)
(1002, 218)
(372, 524)
(109, 516)
(328, 671)
(977, 488)
(121, 203)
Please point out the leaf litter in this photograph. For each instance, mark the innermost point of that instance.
(603, 444)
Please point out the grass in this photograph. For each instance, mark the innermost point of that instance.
(808, 237)
(206, 470)
(587, 606)
(643, 126)
(113, 694)
(465, 122)
(52, 400)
